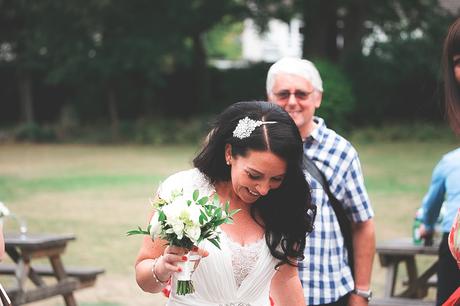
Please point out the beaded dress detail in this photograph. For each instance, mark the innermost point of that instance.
(244, 258)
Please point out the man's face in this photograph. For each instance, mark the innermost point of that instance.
(298, 97)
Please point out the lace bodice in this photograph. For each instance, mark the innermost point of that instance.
(244, 258)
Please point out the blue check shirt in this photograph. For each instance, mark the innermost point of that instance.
(324, 273)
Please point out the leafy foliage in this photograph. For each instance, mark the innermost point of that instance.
(399, 78)
(223, 41)
(338, 101)
(113, 60)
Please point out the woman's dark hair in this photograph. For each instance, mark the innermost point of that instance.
(451, 86)
(286, 212)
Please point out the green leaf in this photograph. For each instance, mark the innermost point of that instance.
(203, 201)
(218, 213)
(213, 241)
(132, 232)
(202, 218)
(234, 212)
(162, 216)
(221, 221)
(196, 193)
(138, 231)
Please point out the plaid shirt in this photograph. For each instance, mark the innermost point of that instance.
(324, 273)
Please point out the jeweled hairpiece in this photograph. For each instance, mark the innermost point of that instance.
(246, 126)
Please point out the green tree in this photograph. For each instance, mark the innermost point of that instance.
(27, 48)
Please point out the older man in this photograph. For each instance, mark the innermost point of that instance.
(327, 278)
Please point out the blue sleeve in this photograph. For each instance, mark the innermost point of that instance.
(434, 198)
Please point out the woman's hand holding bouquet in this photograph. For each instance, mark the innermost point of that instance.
(184, 221)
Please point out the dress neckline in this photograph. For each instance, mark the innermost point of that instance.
(246, 245)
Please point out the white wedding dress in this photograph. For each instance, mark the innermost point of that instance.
(235, 275)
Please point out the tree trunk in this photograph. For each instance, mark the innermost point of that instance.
(354, 30)
(26, 98)
(113, 112)
(200, 72)
(320, 30)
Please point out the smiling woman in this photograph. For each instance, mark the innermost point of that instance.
(252, 161)
(254, 175)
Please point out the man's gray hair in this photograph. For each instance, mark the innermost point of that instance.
(296, 66)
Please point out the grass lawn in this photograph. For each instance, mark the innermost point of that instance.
(100, 192)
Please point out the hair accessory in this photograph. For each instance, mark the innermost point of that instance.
(246, 126)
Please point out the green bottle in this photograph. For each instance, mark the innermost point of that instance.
(416, 238)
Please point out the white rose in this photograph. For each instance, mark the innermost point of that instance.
(193, 232)
(193, 214)
(183, 219)
(4, 211)
(154, 226)
(178, 228)
(173, 210)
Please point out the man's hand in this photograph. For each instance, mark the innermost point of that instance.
(356, 300)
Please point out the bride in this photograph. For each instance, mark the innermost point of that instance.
(252, 159)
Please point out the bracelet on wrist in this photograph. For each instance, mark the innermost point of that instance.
(155, 277)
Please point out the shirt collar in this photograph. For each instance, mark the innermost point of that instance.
(317, 134)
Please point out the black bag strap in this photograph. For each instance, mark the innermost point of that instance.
(4, 298)
(344, 222)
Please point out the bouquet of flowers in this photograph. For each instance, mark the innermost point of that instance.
(186, 220)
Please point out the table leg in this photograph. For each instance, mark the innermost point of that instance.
(412, 275)
(418, 285)
(24, 267)
(60, 273)
(392, 272)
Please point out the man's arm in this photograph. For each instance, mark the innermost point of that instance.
(363, 254)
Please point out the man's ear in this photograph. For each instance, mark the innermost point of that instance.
(318, 96)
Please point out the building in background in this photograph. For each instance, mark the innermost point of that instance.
(281, 39)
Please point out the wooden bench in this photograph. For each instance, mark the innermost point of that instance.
(86, 275)
(403, 252)
(432, 282)
(400, 302)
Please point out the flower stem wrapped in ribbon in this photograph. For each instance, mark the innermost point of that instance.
(185, 221)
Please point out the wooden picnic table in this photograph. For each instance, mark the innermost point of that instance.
(23, 249)
(394, 252)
